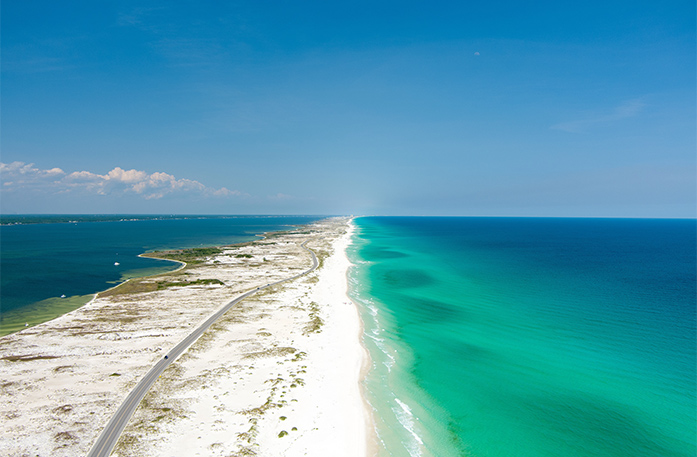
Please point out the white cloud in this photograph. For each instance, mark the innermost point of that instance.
(280, 196)
(27, 171)
(626, 110)
(224, 192)
(19, 176)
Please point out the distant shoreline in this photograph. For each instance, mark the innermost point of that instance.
(28, 219)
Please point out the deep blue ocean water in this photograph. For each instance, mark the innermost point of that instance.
(39, 262)
(529, 337)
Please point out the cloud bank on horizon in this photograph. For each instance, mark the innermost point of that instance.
(22, 177)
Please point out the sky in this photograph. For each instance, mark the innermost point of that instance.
(496, 108)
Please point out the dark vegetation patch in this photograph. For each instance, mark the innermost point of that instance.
(274, 352)
(64, 436)
(63, 409)
(322, 255)
(189, 256)
(299, 356)
(27, 358)
(199, 282)
(136, 286)
(316, 322)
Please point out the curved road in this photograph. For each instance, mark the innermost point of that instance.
(111, 433)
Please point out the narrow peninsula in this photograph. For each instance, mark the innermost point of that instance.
(278, 374)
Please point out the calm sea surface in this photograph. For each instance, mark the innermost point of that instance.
(46, 257)
(529, 337)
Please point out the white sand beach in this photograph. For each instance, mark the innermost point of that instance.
(278, 375)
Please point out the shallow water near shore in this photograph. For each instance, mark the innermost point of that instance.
(43, 260)
(529, 337)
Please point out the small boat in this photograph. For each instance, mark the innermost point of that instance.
(63, 296)
(116, 263)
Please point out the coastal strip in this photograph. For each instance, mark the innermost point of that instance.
(276, 375)
(108, 438)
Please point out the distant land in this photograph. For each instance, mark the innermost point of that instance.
(22, 219)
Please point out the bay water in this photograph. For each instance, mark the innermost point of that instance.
(50, 265)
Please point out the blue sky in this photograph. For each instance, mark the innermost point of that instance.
(409, 108)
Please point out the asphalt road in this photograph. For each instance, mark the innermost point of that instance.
(111, 433)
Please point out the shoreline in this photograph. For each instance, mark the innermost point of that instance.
(67, 302)
(372, 440)
(54, 312)
(41, 310)
(270, 377)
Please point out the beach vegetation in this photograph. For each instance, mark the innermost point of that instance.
(273, 352)
(144, 285)
(64, 436)
(283, 418)
(198, 282)
(299, 356)
(63, 409)
(250, 434)
(316, 322)
(190, 256)
(260, 410)
(134, 286)
(149, 417)
(268, 291)
(274, 382)
(27, 358)
(282, 434)
(244, 256)
(244, 452)
(126, 443)
(322, 255)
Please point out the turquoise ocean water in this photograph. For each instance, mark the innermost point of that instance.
(529, 337)
(45, 257)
